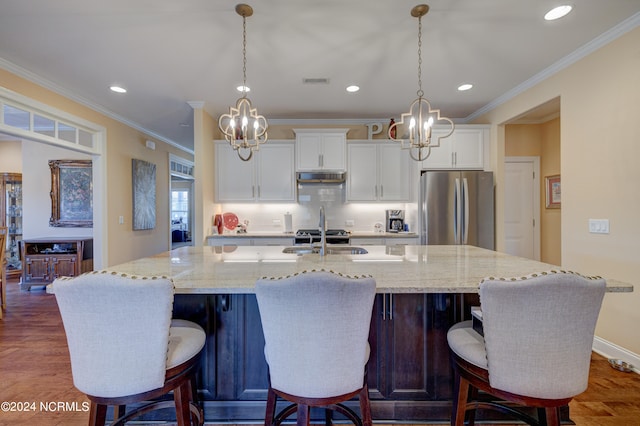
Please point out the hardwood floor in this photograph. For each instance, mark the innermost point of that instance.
(35, 373)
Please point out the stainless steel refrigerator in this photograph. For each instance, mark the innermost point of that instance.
(457, 207)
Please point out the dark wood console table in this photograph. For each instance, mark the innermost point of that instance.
(45, 259)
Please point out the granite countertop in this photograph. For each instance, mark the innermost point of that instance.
(397, 269)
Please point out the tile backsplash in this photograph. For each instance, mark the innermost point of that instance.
(269, 217)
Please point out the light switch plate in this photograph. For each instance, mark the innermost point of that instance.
(599, 226)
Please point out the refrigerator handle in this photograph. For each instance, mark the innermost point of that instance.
(457, 219)
(465, 229)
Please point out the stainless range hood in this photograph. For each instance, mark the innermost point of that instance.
(321, 177)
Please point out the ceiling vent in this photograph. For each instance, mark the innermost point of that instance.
(315, 81)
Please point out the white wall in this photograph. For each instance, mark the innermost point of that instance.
(10, 156)
(36, 188)
(599, 134)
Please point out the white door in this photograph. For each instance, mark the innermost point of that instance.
(522, 207)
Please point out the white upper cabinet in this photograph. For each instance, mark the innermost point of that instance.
(321, 149)
(268, 176)
(362, 177)
(235, 179)
(378, 172)
(276, 178)
(394, 172)
(464, 149)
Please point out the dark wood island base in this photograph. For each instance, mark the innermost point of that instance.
(410, 378)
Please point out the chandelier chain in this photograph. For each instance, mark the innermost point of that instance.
(244, 56)
(420, 92)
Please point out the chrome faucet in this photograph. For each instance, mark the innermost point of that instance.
(323, 232)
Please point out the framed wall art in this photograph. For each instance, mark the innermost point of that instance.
(71, 194)
(144, 194)
(552, 189)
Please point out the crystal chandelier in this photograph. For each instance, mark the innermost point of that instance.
(243, 127)
(414, 129)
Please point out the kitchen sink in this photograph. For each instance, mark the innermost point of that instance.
(329, 250)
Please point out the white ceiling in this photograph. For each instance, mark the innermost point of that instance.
(168, 52)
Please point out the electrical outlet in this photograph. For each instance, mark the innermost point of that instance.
(120, 220)
(349, 222)
(599, 226)
(276, 222)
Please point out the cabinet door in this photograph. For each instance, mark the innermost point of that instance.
(441, 157)
(410, 241)
(333, 152)
(234, 178)
(362, 175)
(308, 149)
(408, 344)
(321, 151)
(275, 241)
(366, 241)
(241, 369)
(64, 266)
(36, 269)
(275, 172)
(229, 241)
(200, 308)
(469, 153)
(394, 173)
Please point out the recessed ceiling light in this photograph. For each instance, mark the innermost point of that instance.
(353, 88)
(243, 88)
(464, 87)
(558, 12)
(118, 89)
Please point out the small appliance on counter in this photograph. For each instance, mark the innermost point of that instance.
(395, 220)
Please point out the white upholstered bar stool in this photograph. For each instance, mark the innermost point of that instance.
(316, 329)
(536, 350)
(124, 347)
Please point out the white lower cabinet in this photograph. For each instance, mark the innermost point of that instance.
(381, 241)
(399, 241)
(367, 241)
(268, 176)
(378, 172)
(228, 241)
(218, 240)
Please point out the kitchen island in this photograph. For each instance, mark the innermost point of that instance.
(422, 291)
(397, 269)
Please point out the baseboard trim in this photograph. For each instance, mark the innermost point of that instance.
(611, 350)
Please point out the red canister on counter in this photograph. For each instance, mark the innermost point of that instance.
(217, 222)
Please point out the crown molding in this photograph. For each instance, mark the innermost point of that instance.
(583, 51)
(47, 84)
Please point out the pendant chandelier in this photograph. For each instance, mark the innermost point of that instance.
(414, 129)
(243, 127)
